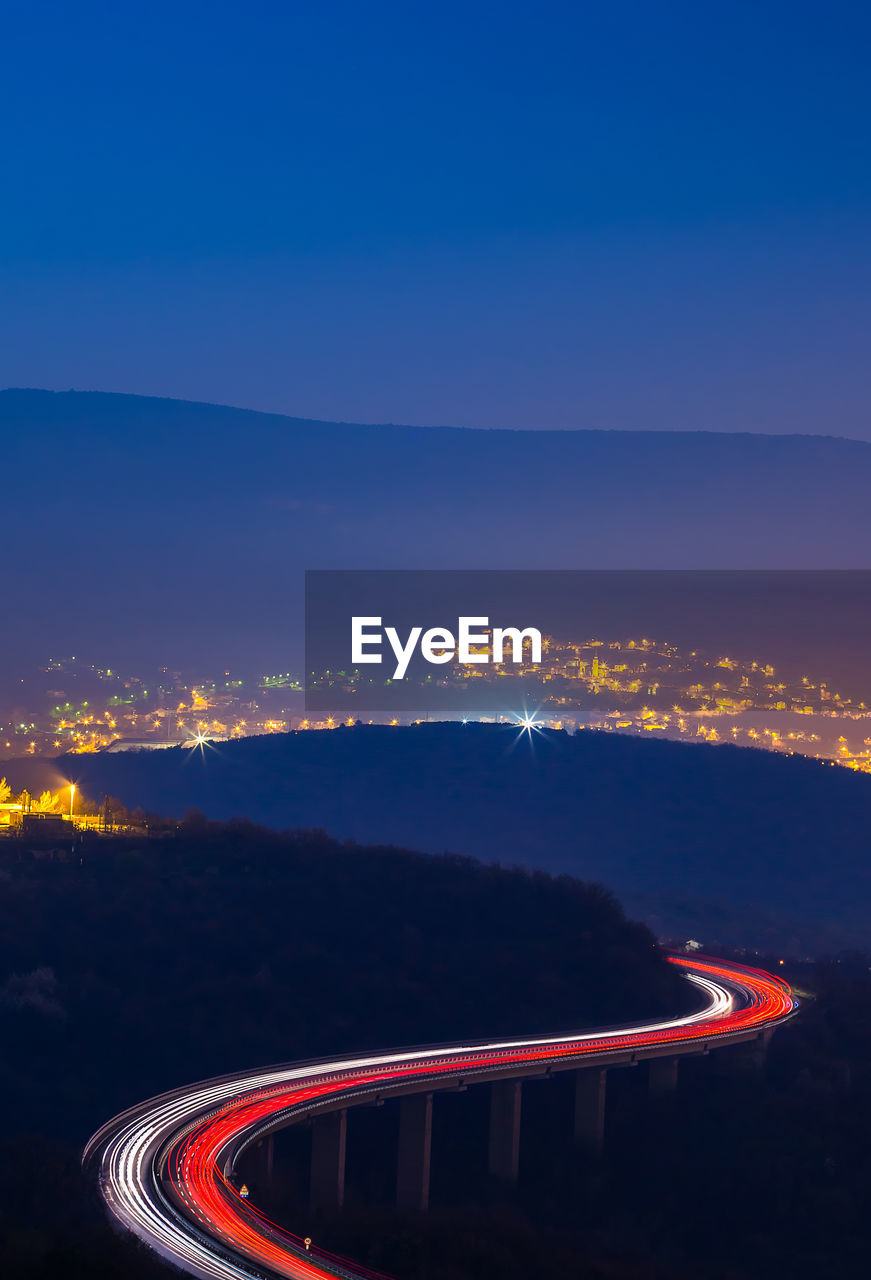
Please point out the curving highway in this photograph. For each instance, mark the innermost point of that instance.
(166, 1166)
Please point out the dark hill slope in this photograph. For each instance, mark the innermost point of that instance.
(218, 948)
(747, 846)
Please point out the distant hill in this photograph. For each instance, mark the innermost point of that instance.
(739, 846)
(167, 531)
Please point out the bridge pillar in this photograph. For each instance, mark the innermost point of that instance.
(590, 1108)
(662, 1078)
(504, 1152)
(415, 1150)
(266, 1150)
(753, 1053)
(329, 1140)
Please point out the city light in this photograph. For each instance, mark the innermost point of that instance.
(638, 686)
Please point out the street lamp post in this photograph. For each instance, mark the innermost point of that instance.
(72, 796)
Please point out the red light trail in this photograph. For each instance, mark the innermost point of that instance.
(166, 1166)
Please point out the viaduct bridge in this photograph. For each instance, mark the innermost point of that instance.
(167, 1168)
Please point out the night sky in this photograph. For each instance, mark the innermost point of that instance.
(641, 216)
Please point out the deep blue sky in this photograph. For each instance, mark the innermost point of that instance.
(560, 215)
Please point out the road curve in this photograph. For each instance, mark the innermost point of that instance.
(165, 1167)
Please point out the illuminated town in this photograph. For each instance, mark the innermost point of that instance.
(630, 686)
(648, 687)
(70, 705)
